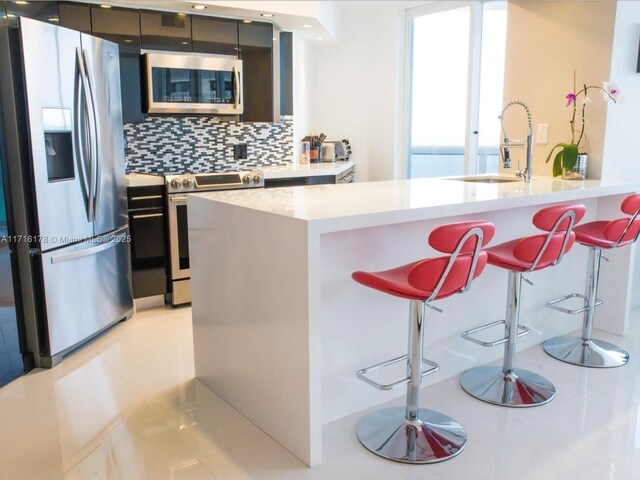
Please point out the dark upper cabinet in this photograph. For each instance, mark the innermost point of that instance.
(286, 73)
(44, 11)
(255, 47)
(122, 26)
(166, 31)
(76, 16)
(3, 10)
(214, 35)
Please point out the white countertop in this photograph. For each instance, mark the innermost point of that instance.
(143, 179)
(375, 203)
(309, 170)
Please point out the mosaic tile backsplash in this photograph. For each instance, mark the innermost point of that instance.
(205, 144)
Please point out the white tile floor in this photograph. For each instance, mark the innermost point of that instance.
(127, 407)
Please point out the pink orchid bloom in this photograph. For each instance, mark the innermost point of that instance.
(571, 97)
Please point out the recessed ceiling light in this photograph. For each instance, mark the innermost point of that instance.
(319, 38)
(198, 7)
(105, 6)
(306, 25)
(267, 15)
(21, 2)
(247, 21)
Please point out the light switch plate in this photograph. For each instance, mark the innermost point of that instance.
(542, 132)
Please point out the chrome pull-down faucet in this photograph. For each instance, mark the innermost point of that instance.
(506, 144)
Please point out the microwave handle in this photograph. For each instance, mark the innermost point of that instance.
(237, 87)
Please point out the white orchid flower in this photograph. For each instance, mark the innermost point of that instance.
(610, 91)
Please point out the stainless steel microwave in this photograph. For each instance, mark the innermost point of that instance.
(192, 84)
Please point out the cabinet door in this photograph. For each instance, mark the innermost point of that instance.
(255, 43)
(148, 252)
(214, 35)
(122, 26)
(75, 16)
(166, 31)
(43, 11)
(286, 73)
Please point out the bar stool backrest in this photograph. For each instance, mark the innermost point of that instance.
(444, 276)
(625, 230)
(547, 250)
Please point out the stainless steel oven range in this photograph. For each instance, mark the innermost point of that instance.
(179, 187)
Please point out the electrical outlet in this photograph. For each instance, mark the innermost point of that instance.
(541, 133)
(240, 151)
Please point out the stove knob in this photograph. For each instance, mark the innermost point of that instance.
(187, 183)
(175, 184)
(257, 178)
(246, 179)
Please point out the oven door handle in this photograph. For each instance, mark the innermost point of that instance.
(177, 199)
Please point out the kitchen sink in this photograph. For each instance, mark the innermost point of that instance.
(486, 179)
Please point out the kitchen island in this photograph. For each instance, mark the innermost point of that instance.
(280, 328)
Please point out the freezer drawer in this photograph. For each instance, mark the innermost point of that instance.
(87, 287)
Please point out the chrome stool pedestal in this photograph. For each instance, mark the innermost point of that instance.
(507, 386)
(411, 434)
(584, 350)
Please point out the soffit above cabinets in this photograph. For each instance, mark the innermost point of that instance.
(309, 19)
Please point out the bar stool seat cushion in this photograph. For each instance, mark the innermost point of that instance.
(604, 234)
(518, 255)
(418, 280)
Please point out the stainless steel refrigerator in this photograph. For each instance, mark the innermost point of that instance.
(63, 141)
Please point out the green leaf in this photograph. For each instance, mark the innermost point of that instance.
(557, 164)
(552, 150)
(570, 156)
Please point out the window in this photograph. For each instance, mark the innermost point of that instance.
(456, 77)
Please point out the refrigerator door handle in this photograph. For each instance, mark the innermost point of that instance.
(79, 130)
(114, 239)
(93, 122)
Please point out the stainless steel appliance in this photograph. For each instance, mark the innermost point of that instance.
(178, 189)
(341, 149)
(347, 176)
(193, 83)
(63, 139)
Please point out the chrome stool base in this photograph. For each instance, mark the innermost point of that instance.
(432, 438)
(586, 353)
(519, 388)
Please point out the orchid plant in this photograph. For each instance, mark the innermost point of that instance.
(567, 156)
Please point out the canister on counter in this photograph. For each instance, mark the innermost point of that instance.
(305, 152)
(328, 152)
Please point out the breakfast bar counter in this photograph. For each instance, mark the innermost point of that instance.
(280, 328)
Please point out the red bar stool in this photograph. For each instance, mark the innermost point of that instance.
(412, 434)
(598, 235)
(509, 386)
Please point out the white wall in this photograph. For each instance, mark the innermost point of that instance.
(354, 85)
(622, 141)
